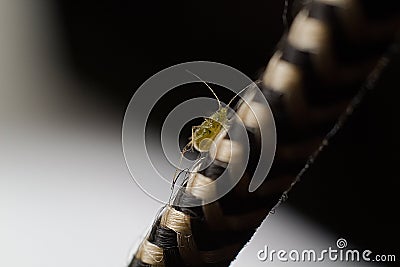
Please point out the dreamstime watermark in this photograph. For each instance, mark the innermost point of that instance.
(152, 154)
(338, 253)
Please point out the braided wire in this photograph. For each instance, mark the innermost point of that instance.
(312, 80)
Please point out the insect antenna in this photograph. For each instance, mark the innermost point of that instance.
(212, 91)
(233, 98)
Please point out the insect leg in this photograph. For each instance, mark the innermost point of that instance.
(192, 138)
(176, 177)
(189, 146)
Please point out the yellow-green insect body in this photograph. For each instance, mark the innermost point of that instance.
(204, 134)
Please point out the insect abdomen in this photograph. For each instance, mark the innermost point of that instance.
(205, 134)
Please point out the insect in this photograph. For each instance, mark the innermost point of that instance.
(203, 135)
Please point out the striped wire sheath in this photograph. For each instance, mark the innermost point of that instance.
(332, 49)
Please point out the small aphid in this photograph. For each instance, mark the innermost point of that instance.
(204, 134)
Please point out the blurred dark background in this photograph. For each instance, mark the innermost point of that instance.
(117, 45)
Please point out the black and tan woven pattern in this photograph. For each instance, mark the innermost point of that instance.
(324, 59)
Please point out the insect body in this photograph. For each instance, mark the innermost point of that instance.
(204, 134)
